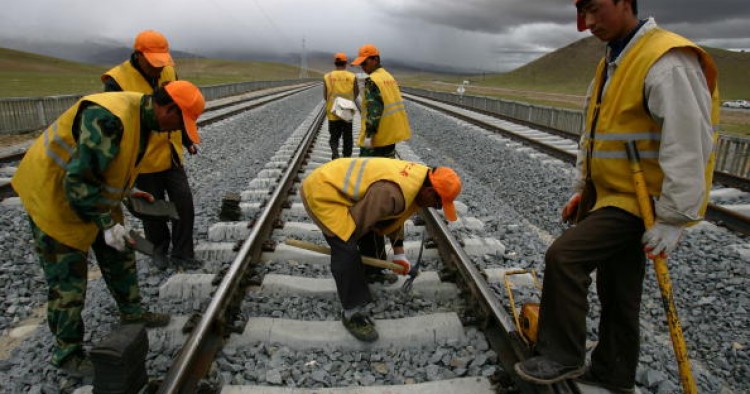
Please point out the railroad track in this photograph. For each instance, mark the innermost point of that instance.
(255, 244)
(564, 146)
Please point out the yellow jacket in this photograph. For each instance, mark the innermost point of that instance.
(39, 178)
(394, 124)
(623, 116)
(158, 156)
(334, 187)
(339, 83)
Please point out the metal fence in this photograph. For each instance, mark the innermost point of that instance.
(24, 114)
(732, 153)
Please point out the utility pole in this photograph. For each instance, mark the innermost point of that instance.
(303, 62)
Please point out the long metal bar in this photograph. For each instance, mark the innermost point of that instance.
(208, 334)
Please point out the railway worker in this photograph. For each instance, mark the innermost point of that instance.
(339, 83)
(384, 123)
(71, 182)
(349, 198)
(162, 172)
(658, 89)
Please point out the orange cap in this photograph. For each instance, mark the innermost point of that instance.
(155, 47)
(447, 184)
(366, 51)
(580, 17)
(340, 57)
(191, 102)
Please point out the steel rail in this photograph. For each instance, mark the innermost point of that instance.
(195, 357)
(499, 325)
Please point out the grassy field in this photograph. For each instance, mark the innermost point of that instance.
(28, 75)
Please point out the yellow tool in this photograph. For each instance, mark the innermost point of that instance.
(662, 273)
(527, 320)
(325, 250)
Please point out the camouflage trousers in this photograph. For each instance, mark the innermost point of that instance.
(66, 272)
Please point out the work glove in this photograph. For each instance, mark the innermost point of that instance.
(570, 208)
(367, 143)
(138, 193)
(117, 237)
(661, 239)
(401, 260)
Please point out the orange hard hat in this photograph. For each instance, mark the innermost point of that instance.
(154, 47)
(447, 184)
(340, 57)
(366, 51)
(191, 102)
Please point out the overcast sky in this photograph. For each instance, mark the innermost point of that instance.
(472, 34)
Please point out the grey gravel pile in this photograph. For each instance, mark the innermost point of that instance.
(513, 193)
(279, 366)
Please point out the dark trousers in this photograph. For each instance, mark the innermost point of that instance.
(388, 151)
(608, 241)
(338, 129)
(172, 183)
(349, 273)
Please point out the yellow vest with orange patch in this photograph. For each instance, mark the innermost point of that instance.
(339, 83)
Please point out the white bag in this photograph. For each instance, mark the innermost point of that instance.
(343, 108)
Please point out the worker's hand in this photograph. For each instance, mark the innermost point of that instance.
(117, 237)
(570, 208)
(138, 193)
(367, 143)
(193, 149)
(401, 260)
(661, 239)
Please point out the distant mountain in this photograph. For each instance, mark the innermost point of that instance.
(573, 66)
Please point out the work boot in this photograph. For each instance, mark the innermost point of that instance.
(542, 370)
(361, 326)
(385, 278)
(159, 261)
(78, 366)
(149, 319)
(590, 379)
(334, 156)
(190, 263)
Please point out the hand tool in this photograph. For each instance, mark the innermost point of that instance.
(662, 273)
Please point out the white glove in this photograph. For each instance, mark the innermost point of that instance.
(117, 237)
(138, 193)
(368, 142)
(661, 239)
(401, 260)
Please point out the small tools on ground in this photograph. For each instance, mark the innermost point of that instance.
(528, 320)
(414, 271)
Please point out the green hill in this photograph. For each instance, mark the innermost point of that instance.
(24, 74)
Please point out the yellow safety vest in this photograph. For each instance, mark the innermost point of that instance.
(336, 186)
(158, 156)
(39, 178)
(339, 83)
(394, 124)
(623, 117)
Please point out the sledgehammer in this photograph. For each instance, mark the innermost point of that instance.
(325, 250)
(662, 273)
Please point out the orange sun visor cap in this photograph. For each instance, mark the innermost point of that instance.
(580, 17)
(447, 184)
(191, 102)
(340, 57)
(365, 52)
(154, 47)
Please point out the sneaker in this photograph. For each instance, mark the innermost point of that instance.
(386, 278)
(361, 326)
(542, 370)
(78, 366)
(588, 378)
(149, 319)
(188, 264)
